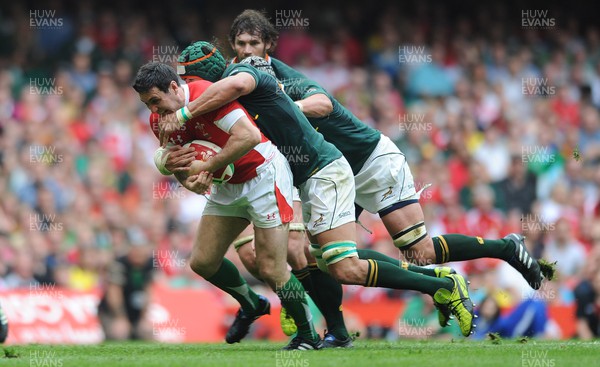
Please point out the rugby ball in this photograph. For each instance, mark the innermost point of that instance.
(206, 150)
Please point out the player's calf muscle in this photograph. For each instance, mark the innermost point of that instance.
(270, 267)
(295, 255)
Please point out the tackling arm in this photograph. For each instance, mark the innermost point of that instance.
(316, 105)
(221, 93)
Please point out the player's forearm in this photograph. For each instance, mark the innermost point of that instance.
(181, 176)
(215, 96)
(236, 147)
(317, 105)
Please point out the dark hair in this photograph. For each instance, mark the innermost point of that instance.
(255, 23)
(154, 74)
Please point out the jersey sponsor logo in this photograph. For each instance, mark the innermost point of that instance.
(387, 195)
(319, 221)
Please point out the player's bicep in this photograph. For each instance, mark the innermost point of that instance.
(241, 82)
(243, 129)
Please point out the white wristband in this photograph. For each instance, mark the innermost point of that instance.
(183, 115)
(160, 159)
(300, 106)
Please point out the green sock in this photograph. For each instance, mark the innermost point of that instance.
(328, 296)
(458, 247)
(303, 275)
(383, 274)
(293, 298)
(374, 255)
(228, 279)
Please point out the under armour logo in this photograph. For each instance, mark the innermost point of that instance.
(178, 140)
(271, 216)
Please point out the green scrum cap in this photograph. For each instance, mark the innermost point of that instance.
(201, 59)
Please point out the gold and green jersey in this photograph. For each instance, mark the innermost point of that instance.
(282, 122)
(355, 139)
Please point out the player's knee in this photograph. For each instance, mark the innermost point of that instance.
(342, 261)
(203, 266)
(296, 258)
(421, 253)
(272, 274)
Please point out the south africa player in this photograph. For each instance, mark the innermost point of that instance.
(384, 183)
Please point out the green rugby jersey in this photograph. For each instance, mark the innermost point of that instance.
(282, 122)
(355, 139)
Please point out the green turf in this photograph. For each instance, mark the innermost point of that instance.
(263, 354)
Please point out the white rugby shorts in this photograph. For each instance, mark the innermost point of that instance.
(265, 200)
(385, 178)
(328, 197)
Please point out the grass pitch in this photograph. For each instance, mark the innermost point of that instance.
(523, 353)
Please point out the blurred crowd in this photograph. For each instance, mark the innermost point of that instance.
(502, 119)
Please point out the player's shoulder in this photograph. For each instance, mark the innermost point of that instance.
(281, 67)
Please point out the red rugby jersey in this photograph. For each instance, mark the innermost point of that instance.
(214, 127)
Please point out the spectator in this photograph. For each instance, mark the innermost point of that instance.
(494, 149)
(565, 249)
(22, 274)
(587, 294)
(518, 189)
(529, 318)
(483, 219)
(82, 74)
(124, 305)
